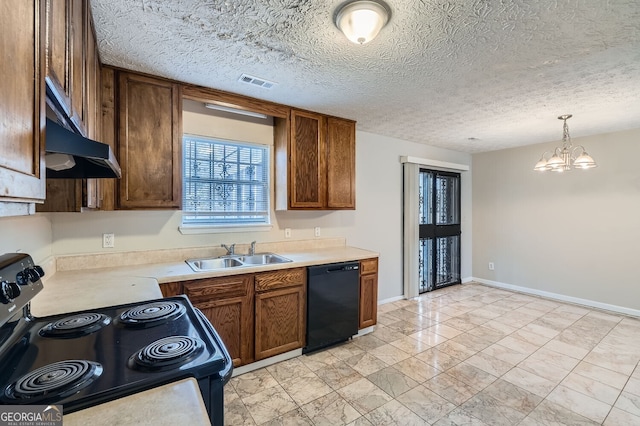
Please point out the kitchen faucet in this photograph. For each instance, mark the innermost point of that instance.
(252, 248)
(230, 249)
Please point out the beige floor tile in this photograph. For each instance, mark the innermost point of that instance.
(450, 388)
(473, 376)
(428, 337)
(593, 388)
(338, 375)
(387, 334)
(345, 350)
(364, 396)
(306, 388)
(490, 364)
(459, 417)
(365, 363)
(393, 413)
(463, 355)
(269, 404)
(330, 410)
(287, 370)
(445, 331)
(629, 403)
(618, 417)
(253, 382)
(492, 411)
(410, 345)
(579, 403)
(389, 354)
(548, 413)
(368, 342)
(505, 354)
(416, 369)
(455, 350)
(392, 381)
(292, 418)
(426, 404)
(318, 360)
(512, 396)
(529, 381)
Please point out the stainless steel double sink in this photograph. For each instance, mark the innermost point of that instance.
(235, 261)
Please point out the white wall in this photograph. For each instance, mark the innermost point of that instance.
(26, 234)
(575, 234)
(376, 224)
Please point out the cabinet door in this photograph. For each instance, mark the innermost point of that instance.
(307, 174)
(22, 169)
(280, 321)
(228, 304)
(368, 315)
(341, 163)
(149, 141)
(65, 58)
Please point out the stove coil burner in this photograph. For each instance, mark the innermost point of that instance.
(166, 353)
(57, 380)
(150, 314)
(75, 325)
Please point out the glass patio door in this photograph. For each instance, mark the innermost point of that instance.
(439, 229)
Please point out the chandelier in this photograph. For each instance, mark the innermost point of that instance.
(564, 158)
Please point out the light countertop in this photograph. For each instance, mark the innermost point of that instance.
(177, 403)
(79, 290)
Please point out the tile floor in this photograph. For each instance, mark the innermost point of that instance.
(463, 355)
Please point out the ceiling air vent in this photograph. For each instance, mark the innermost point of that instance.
(255, 81)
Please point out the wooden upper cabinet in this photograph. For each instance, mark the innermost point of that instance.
(22, 169)
(65, 27)
(307, 160)
(315, 162)
(149, 141)
(341, 164)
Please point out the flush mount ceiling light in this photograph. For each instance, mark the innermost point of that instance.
(564, 158)
(362, 20)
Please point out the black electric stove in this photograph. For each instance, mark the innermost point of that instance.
(82, 359)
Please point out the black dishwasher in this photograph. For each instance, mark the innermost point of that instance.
(332, 304)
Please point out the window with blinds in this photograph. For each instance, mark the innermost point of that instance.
(226, 183)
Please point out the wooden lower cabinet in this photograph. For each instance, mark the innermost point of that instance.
(228, 304)
(368, 312)
(280, 311)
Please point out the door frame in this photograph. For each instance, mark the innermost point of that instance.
(410, 232)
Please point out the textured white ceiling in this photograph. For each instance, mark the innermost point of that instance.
(441, 72)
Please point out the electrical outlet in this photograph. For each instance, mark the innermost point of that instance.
(491, 266)
(108, 240)
(316, 231)
(287, 232)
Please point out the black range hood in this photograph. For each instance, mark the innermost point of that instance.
(70, 155)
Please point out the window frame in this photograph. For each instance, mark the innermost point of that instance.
(229, 226)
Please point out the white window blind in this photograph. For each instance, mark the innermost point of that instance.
(226, 183)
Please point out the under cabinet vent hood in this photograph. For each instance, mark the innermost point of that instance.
(70, 155)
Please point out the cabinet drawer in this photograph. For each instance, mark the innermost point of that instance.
(218, 288)
(368, 266)
(280, 279)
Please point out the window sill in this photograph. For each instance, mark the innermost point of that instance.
(210, 229)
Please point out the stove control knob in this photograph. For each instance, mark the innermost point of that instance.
(32, 274)
(22, 278)
(39, 270)
(8, 292)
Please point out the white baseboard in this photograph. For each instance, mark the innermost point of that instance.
(389, 300)
(467, 280)
(561, 297)
(266, 362)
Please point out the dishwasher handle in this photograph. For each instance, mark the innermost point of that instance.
(343, 268)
